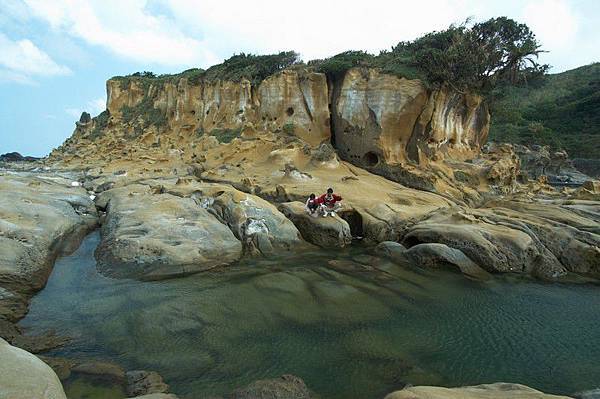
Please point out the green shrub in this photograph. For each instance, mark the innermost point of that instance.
(100, 124)
(226, 135)
(289, 128)
(255, 68)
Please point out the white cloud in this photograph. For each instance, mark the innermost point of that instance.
(315, 28)
(21, 61)
(94, 107)
(126, 28)
(553, 21)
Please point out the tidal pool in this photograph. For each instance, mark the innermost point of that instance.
(348, 332)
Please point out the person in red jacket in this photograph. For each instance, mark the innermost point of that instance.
(329, 203)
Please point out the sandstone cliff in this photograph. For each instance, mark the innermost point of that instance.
(380, 122)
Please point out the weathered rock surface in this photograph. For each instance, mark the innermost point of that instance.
(326, 232)
(254, 221)
(40, 219)
(498, 390)
(285, 387)
(24, 376)
(539, 161)
(160, 235)
(380, 118)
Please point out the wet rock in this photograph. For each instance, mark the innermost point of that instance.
(40, 343)
(61, 366)
(141, 382)
(499, 390)
(153, 236)
(157, 396)
(285, 387)
(440, 255)
(591, 394)
(106, 371)
(24, 376)
(327, 232)
(391, 250)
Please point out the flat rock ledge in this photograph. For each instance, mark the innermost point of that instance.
(326, 232)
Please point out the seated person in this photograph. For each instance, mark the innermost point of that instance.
(329, 203)
(312, 205)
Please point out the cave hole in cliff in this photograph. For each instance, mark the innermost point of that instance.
(354, 220)
(371, 158)
(193, 112)
(289, 111)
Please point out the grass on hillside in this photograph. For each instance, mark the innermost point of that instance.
(562, 111)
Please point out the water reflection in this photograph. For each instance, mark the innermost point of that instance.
(351, 326)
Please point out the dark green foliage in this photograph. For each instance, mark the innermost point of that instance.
(563, 112)
(100, 124)
(255, 68)
(226, 135)
(340, 63)
(199, 131)
(289, 128)
(467, 57)
(143, 115)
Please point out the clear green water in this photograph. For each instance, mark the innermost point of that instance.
(348, 333)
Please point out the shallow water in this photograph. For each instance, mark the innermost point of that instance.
(349, 333)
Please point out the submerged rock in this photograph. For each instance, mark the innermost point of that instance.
(285, 387)
(24, 376)
(141, 382)
(325, 232)
(499, 390)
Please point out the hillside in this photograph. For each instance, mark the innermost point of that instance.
(563, 111)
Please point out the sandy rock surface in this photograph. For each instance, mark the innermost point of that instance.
(498, 390)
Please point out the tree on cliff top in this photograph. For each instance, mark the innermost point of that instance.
(468, 57)
(479, 57)
(255, 68)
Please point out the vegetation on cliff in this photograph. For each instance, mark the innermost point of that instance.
(561, 110)
(468, 57)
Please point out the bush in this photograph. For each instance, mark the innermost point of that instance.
(255, 68)
(226, 135)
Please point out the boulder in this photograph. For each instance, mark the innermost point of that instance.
(255, 222)
(499, 390)
(285, 387)
(150, 234)
(326, 232)
(24, 376)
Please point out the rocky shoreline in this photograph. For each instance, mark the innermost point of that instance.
(225, 176)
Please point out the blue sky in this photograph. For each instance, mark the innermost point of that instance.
(56, 55)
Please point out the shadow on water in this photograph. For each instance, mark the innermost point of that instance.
(348, 332)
